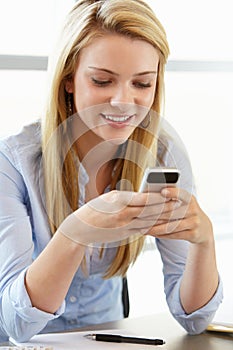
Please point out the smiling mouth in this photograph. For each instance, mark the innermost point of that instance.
(117, 118)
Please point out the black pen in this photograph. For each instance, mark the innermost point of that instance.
(114, 338)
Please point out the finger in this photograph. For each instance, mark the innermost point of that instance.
(178, 213)
(176, 194)
(116, 201)
(148, 212)
(144, 199)
(141, 213)
(191, 235)
(142, 226)
(172, 227)
(181, 235)
(168, 212)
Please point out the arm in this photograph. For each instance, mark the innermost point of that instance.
(53, 271)
(188, 222)
(200, 280)
(18, 317)
(187, 248)
(174, 255)
(32, 290)
(32, 287)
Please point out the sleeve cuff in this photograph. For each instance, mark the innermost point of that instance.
(197, 321)
(22, 303)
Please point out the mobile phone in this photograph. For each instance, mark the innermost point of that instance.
(155, 179)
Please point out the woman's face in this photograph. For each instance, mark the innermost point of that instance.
(114, 85)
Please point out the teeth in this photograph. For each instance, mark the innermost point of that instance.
(116, 119)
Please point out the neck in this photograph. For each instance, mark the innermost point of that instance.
(95, 155)
(93, 151)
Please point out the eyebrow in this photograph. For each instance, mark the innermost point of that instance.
(113, 73)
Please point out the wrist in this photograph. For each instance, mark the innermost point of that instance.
(73, 229)
(207, 234)
(69, 244)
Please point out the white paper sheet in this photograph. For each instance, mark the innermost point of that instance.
(224, 314)
(77, 340)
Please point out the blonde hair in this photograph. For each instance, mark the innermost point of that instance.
(87, 20)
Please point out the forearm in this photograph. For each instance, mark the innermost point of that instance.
(200, 279)
(50, 275)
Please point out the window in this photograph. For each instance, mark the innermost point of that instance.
(30, 27)
(199, 104)
(28, 33)
(197, 30)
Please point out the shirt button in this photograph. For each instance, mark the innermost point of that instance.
(72, 321)
(73, 299)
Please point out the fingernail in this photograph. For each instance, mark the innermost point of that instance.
(177, 204)
(165, 192)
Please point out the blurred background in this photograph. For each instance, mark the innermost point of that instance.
(199, 106)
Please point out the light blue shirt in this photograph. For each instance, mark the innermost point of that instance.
(24, 233)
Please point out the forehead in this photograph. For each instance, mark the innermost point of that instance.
(114, 51)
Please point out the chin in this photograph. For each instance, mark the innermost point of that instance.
(116, 138)
(117, 141)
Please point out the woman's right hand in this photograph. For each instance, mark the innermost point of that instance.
(114, 216)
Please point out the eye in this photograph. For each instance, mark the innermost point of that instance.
(100, 82)
(142, 85)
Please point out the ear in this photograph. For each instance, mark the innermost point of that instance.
(69, 86)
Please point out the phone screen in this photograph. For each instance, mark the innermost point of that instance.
(163, 177)
(155, 179)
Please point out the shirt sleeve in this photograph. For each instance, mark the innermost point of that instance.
(18, 319)
(174, 254)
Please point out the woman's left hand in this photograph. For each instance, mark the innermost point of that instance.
(187, 221)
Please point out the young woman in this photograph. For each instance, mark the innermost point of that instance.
(71, 219)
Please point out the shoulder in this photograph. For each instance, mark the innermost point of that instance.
(20, 149)
(28, 135)
(171, 149)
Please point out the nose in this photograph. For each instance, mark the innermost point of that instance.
(122, 98)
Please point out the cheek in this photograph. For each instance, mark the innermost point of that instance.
(82, 99)
(147, 96)
(147, 99)
(88, 96)
(152, 96)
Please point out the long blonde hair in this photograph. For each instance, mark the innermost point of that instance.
(87, 20)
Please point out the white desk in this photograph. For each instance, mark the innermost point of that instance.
(165, 327)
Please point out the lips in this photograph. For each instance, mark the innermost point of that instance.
(117, 121)
(116, 118)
